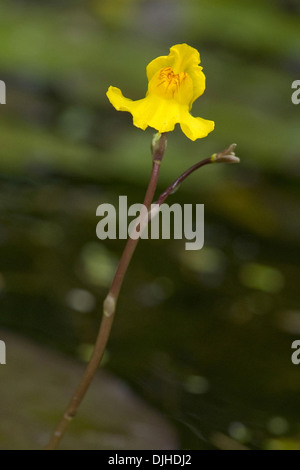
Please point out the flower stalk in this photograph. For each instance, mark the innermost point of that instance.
(110, 302)
(109, 307)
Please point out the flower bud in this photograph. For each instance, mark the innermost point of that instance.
(227, 156)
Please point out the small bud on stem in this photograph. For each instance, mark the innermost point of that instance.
(227, 156)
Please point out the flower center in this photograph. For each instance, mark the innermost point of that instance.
(169, 82)
(166, 84)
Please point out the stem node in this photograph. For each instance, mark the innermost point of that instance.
(109, 305)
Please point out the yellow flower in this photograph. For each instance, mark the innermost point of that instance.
(174, 83)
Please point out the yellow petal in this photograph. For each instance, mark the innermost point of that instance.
(118, 100)
(195, 128)
(198, 79)
(182, 58)
(125, 104)
(187, 59)
(152, 111)
(157, 64)
(161, 114)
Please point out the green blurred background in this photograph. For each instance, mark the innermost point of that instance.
(204, 337)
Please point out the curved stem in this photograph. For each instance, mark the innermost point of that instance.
(109, 307)
(180, 179)
(226, 156)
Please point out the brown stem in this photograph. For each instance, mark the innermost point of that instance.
(109, 307)
(180, 179)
